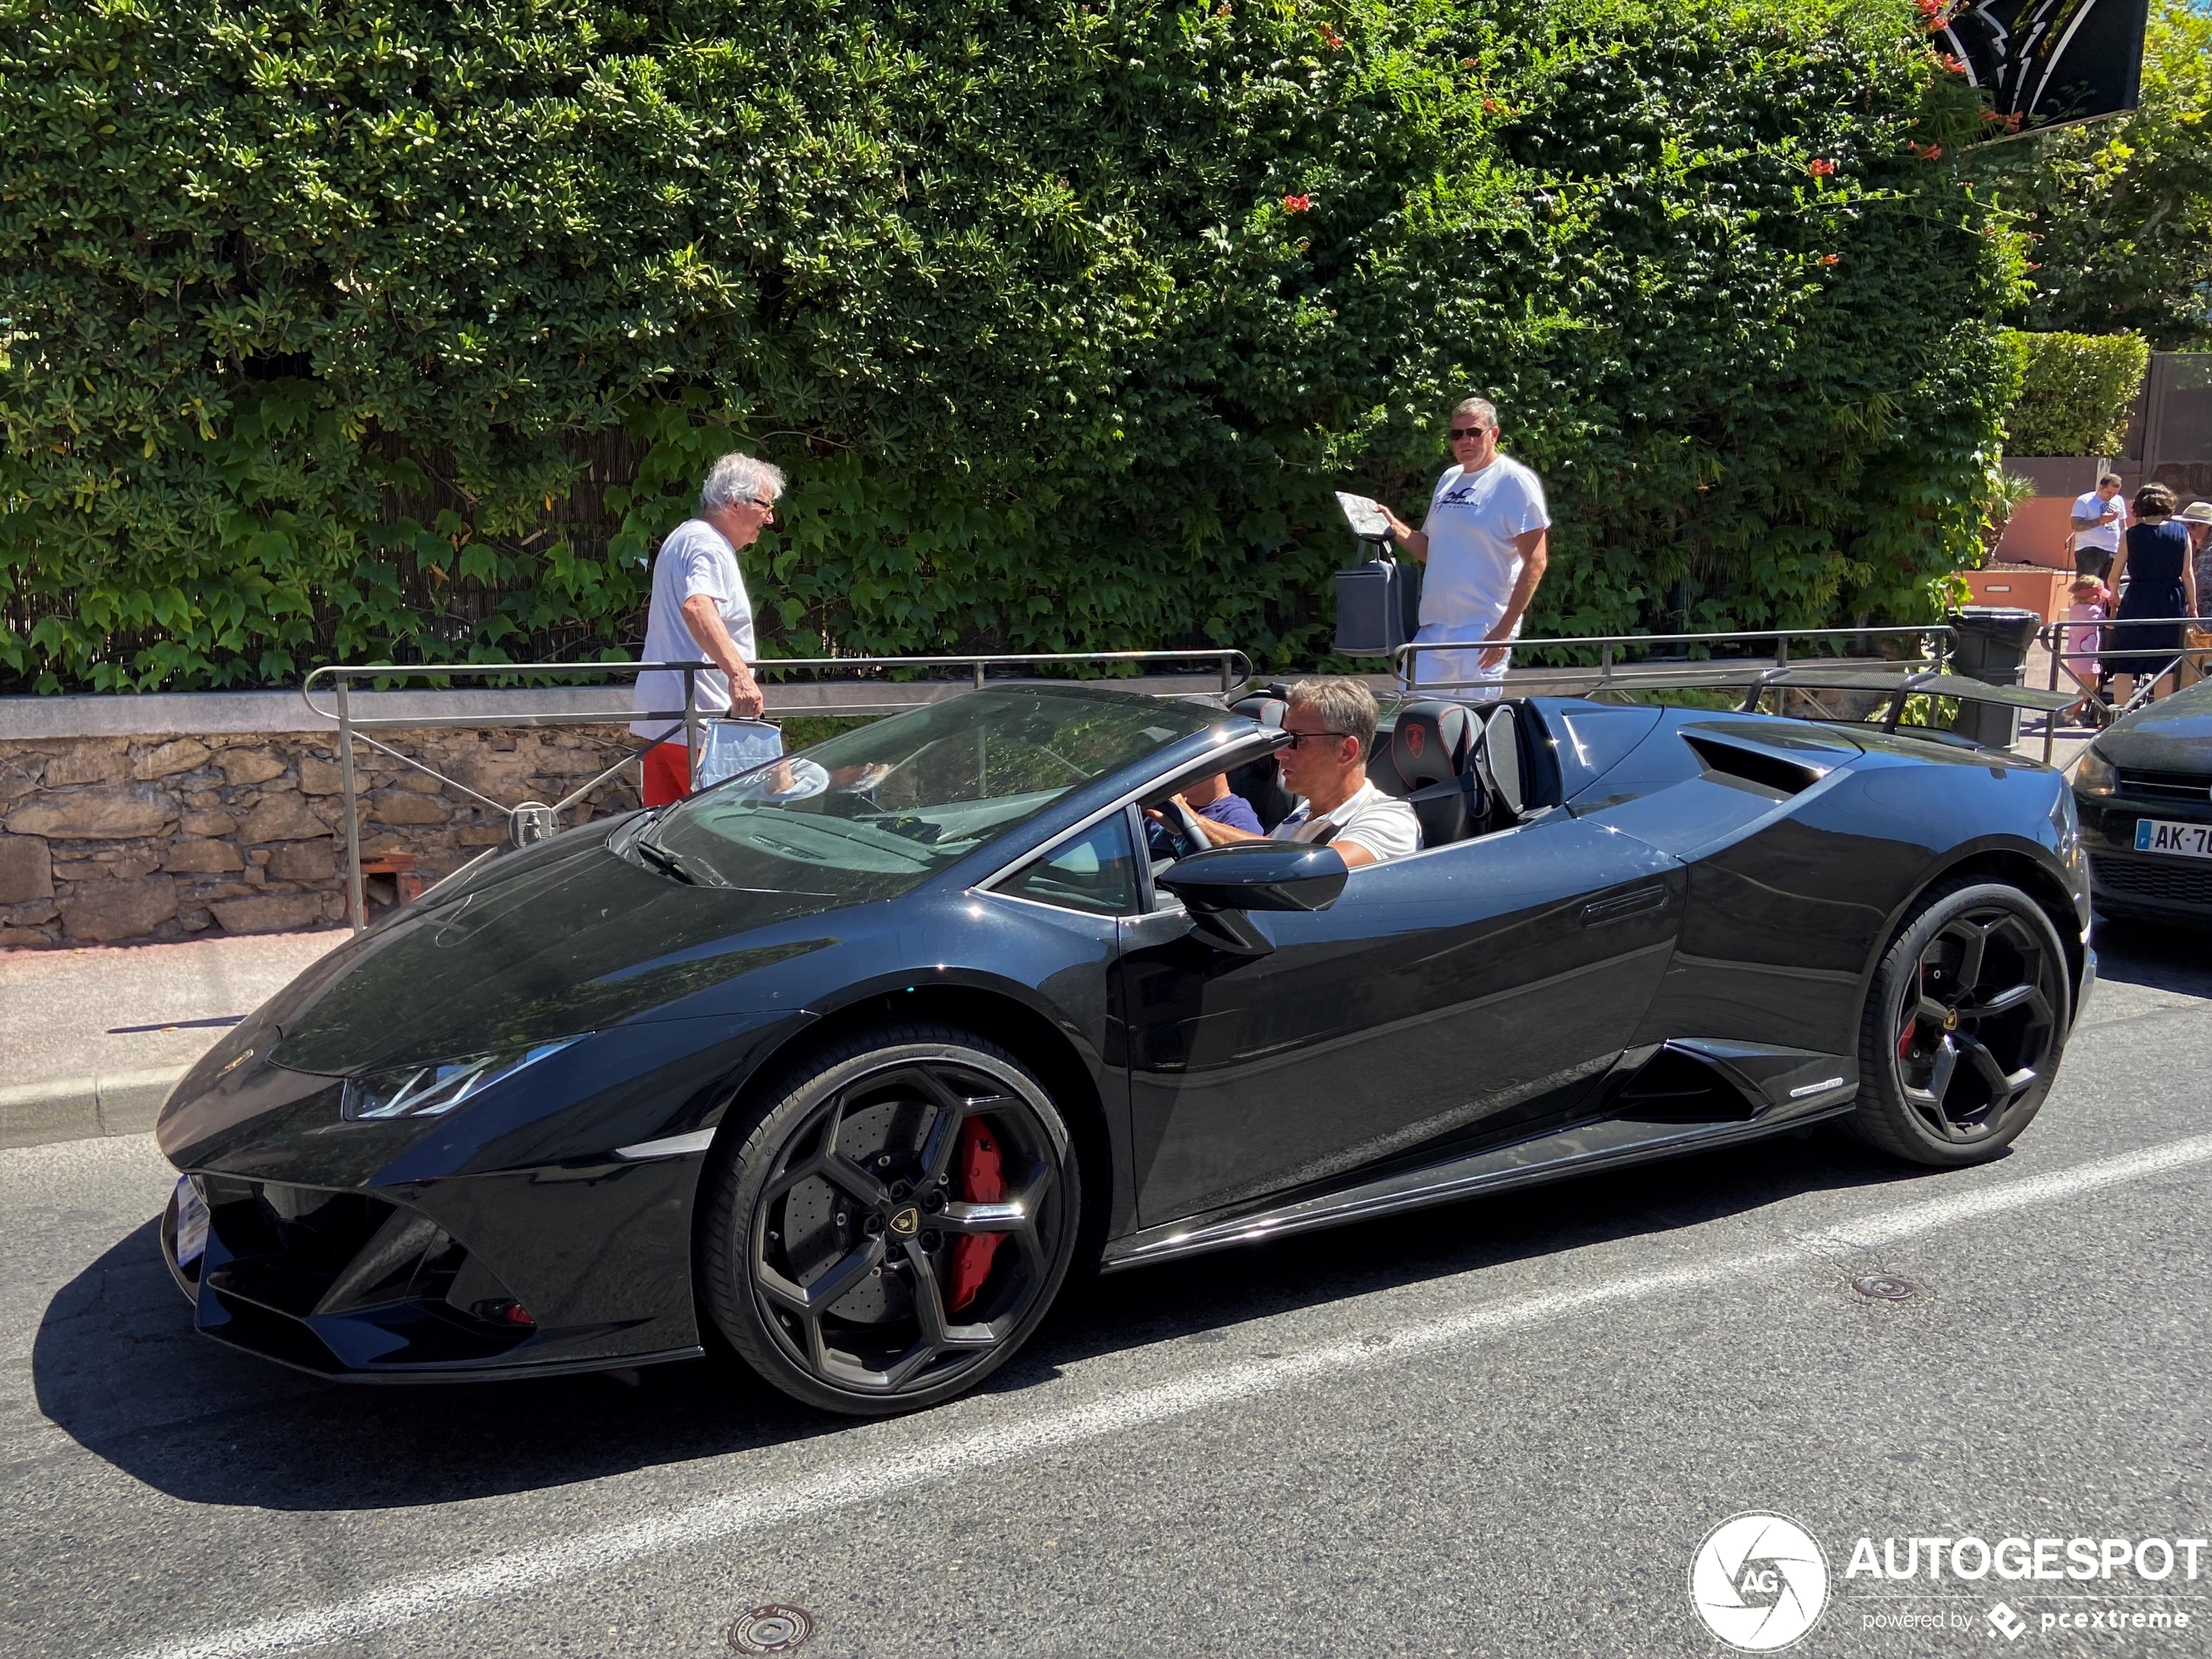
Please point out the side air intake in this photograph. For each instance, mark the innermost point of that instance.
(1675, 1087)
(1768, 772)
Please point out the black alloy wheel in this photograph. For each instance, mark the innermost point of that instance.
(894, 1224)
(1964, 1027)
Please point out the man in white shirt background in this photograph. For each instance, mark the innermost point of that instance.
(1486, 542)
(2099, 520)
(699, 608)
(1333, 727)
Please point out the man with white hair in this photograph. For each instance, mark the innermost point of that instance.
(699, 608)
(1485, 545)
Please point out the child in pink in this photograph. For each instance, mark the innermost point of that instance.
(2081, 634)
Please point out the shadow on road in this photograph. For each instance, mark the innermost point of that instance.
(118, 1365)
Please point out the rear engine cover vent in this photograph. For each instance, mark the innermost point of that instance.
(1762, 768)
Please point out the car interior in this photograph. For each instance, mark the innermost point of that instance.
(1463, 768)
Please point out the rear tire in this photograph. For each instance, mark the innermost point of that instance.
(1964, 1028)
(832, 1243)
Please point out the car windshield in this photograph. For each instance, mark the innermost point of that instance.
(871, 813)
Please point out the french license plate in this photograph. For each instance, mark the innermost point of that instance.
(2178, 840)
(192, 1223)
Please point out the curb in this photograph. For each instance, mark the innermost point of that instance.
(83, 1109)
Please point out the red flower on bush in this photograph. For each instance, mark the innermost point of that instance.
(1490, 106)
(1928, 151)
(1330, 38)
(1297, 204)
(1819, 168)
(1832, 258)
(1952, 63)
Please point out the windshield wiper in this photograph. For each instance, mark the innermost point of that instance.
(663, 859)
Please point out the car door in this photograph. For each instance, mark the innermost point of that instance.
(1470, 992)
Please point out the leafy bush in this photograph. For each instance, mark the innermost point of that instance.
(349, 330)
(2075, 393)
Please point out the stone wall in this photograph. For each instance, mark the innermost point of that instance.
(106, 840)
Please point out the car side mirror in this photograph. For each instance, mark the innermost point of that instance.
(1218, 885)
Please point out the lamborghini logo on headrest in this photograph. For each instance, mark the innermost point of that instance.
(1414, 739)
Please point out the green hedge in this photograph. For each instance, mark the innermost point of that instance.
(352, 329)
(2076, 393)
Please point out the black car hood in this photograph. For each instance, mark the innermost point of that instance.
(2174, 734)
(566, 941)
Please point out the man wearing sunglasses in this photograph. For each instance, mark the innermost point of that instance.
(1332, 723)
(1484, 543)
(699, 609)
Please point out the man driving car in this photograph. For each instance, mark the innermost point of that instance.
(1332, 726)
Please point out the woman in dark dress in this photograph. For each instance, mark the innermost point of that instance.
(2160, 589)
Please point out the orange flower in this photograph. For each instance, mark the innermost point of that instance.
(1952, 63)
(1928, 151)
(1297, 204)
(1832, 258)
(1819, 168)
(1330, 38)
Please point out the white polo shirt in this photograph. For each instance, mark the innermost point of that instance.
(696, 558)
(1473, 563)
(1384, 825)
(2093, 506)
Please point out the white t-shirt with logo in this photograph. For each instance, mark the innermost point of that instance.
(2094, 507)
(1472, 563)
(696, 558)
(1384, 825)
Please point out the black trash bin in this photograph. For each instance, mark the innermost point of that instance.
(1993, 643)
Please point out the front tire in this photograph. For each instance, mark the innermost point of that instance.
(1964, 1028)
(847, 1246)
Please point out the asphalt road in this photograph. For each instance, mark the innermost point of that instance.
(1500, 1428)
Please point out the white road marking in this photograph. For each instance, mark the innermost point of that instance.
(891, 1470)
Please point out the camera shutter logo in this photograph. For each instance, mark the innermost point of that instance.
(1759, 1582)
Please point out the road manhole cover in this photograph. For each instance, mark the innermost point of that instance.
(1885, 1287)
(774, 1628)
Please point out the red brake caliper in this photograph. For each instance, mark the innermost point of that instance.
(977, 1178)
(1912, 1024)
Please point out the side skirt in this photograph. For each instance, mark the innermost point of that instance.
(1583, 1150)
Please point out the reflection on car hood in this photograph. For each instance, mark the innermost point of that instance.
(564, 945)
(2174, 734)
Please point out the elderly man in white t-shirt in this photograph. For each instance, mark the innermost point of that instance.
(1486, 542)
(699, 609)
(1333, 727)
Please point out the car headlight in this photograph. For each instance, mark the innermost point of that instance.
(2092, 774)
(434, 1091)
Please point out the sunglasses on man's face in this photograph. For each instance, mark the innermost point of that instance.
(1299, 738)
(1460, 434)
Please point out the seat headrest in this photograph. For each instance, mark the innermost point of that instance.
(1430, 741)
(1268, 710)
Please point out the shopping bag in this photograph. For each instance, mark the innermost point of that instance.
(728, 748)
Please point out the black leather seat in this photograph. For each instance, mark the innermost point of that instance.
(1435, 750)
(1260, 782)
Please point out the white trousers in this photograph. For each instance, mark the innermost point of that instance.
(1460, 669)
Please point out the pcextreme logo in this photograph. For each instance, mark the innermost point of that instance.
(1759, 1582)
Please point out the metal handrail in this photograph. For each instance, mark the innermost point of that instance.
(2052, 636)
(536, 819)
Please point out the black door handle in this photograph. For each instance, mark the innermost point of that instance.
(1622, 905)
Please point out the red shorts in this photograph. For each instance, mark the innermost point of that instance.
(668, 773)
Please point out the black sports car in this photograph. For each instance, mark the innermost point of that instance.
(853, 1058)
(2144, 789)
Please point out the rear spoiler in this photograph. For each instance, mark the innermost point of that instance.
(1900, 684)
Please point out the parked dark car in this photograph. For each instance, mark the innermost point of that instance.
(852, 1059)
(2144, 792)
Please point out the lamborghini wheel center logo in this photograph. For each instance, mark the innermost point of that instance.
(1759, 1582)
(906, 1223)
